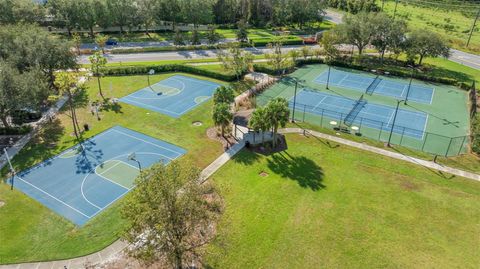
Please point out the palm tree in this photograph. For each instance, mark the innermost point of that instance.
(101, 41)
(223, 95)
(277, 114)
(98, 63)
(222, 116)
(259, 122)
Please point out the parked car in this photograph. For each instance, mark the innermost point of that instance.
(111, 42)
(22, 116)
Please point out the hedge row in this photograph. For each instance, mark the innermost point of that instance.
(346, 64)
(142, 70)
(25, 129)
(262, 42)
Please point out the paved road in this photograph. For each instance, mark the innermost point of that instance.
(464, 58)
(173, 55)
(333, 16)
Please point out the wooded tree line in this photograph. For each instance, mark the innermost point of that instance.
(87, 14)
(29, 58)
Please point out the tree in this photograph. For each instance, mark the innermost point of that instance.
(197, 11)
(329, 41)
(167, 215)
(87, 17)
(77, 41)
(223, 95)
(147, 13)
(170, 10)
(27, 47)
(222, 116)
(66, 83)
(277, 113)
(212, 35)
(389, 34)
(294, 54)
(16, 11)
(259, 121)
(178, 38)
(121, 12)
(358, 29)
(303, 11)
(98, 62)
(66, 13)
(276, 58)
(235, 59)
(424, 43)
(104, 19)
(306, 51)
(20, 90)
(195, 39)
(101, 41)
(242, 32)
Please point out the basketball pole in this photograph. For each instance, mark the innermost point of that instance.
(11, 167)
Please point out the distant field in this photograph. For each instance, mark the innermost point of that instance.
(322, 206)
(453, 25)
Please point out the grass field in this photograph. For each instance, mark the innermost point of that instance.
(451, 24)
(31, 232)
(324, 206)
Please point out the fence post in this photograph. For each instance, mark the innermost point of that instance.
(463, 142)
(425, 141)
(321, 119)
(380, 133)
(448, 148)
(304, 108)
(401, 138)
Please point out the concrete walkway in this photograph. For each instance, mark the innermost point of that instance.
(395, 155)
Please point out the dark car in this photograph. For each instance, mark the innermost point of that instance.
(111, 42)
(22, 116)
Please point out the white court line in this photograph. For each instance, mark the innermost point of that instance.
(153, 144)
(53, 197)
(391, 117)
(425, 126)
(315, 107)
(183, 84)
(113, 183)
(108, 169)
(152, 107)
(195, 80)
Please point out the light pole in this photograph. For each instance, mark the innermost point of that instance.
(328, 76)
(294, 101)
(409, 84)
(11, 167)
(393, 123)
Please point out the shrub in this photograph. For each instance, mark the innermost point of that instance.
(21, 130)
(141, 70)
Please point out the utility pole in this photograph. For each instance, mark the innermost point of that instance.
(473, 27)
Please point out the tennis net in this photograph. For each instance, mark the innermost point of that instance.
(373, 85)
(352, 115)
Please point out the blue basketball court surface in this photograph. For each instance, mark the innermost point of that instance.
(173, 96)
(409, 123)
(382, 86)
(82, 181)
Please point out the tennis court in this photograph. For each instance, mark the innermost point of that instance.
(173, 96)
(408, 123)
(381, 85)
(81, 182)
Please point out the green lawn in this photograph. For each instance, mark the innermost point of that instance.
(440, 21)
(31, 232)
(324, 206)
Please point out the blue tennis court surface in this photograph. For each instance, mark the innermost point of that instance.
(78, 184)
(409, 123)
(173, 96)
(385, 86)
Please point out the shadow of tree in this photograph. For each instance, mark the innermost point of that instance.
(301, 169)
(108, 105)
(246, 157)
(42, 146)
(89, 158)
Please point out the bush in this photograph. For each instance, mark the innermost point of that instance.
(141, 70)
(21, 130)
(262, 42)
(476, 134)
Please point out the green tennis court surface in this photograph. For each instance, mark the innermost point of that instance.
(439, 126)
